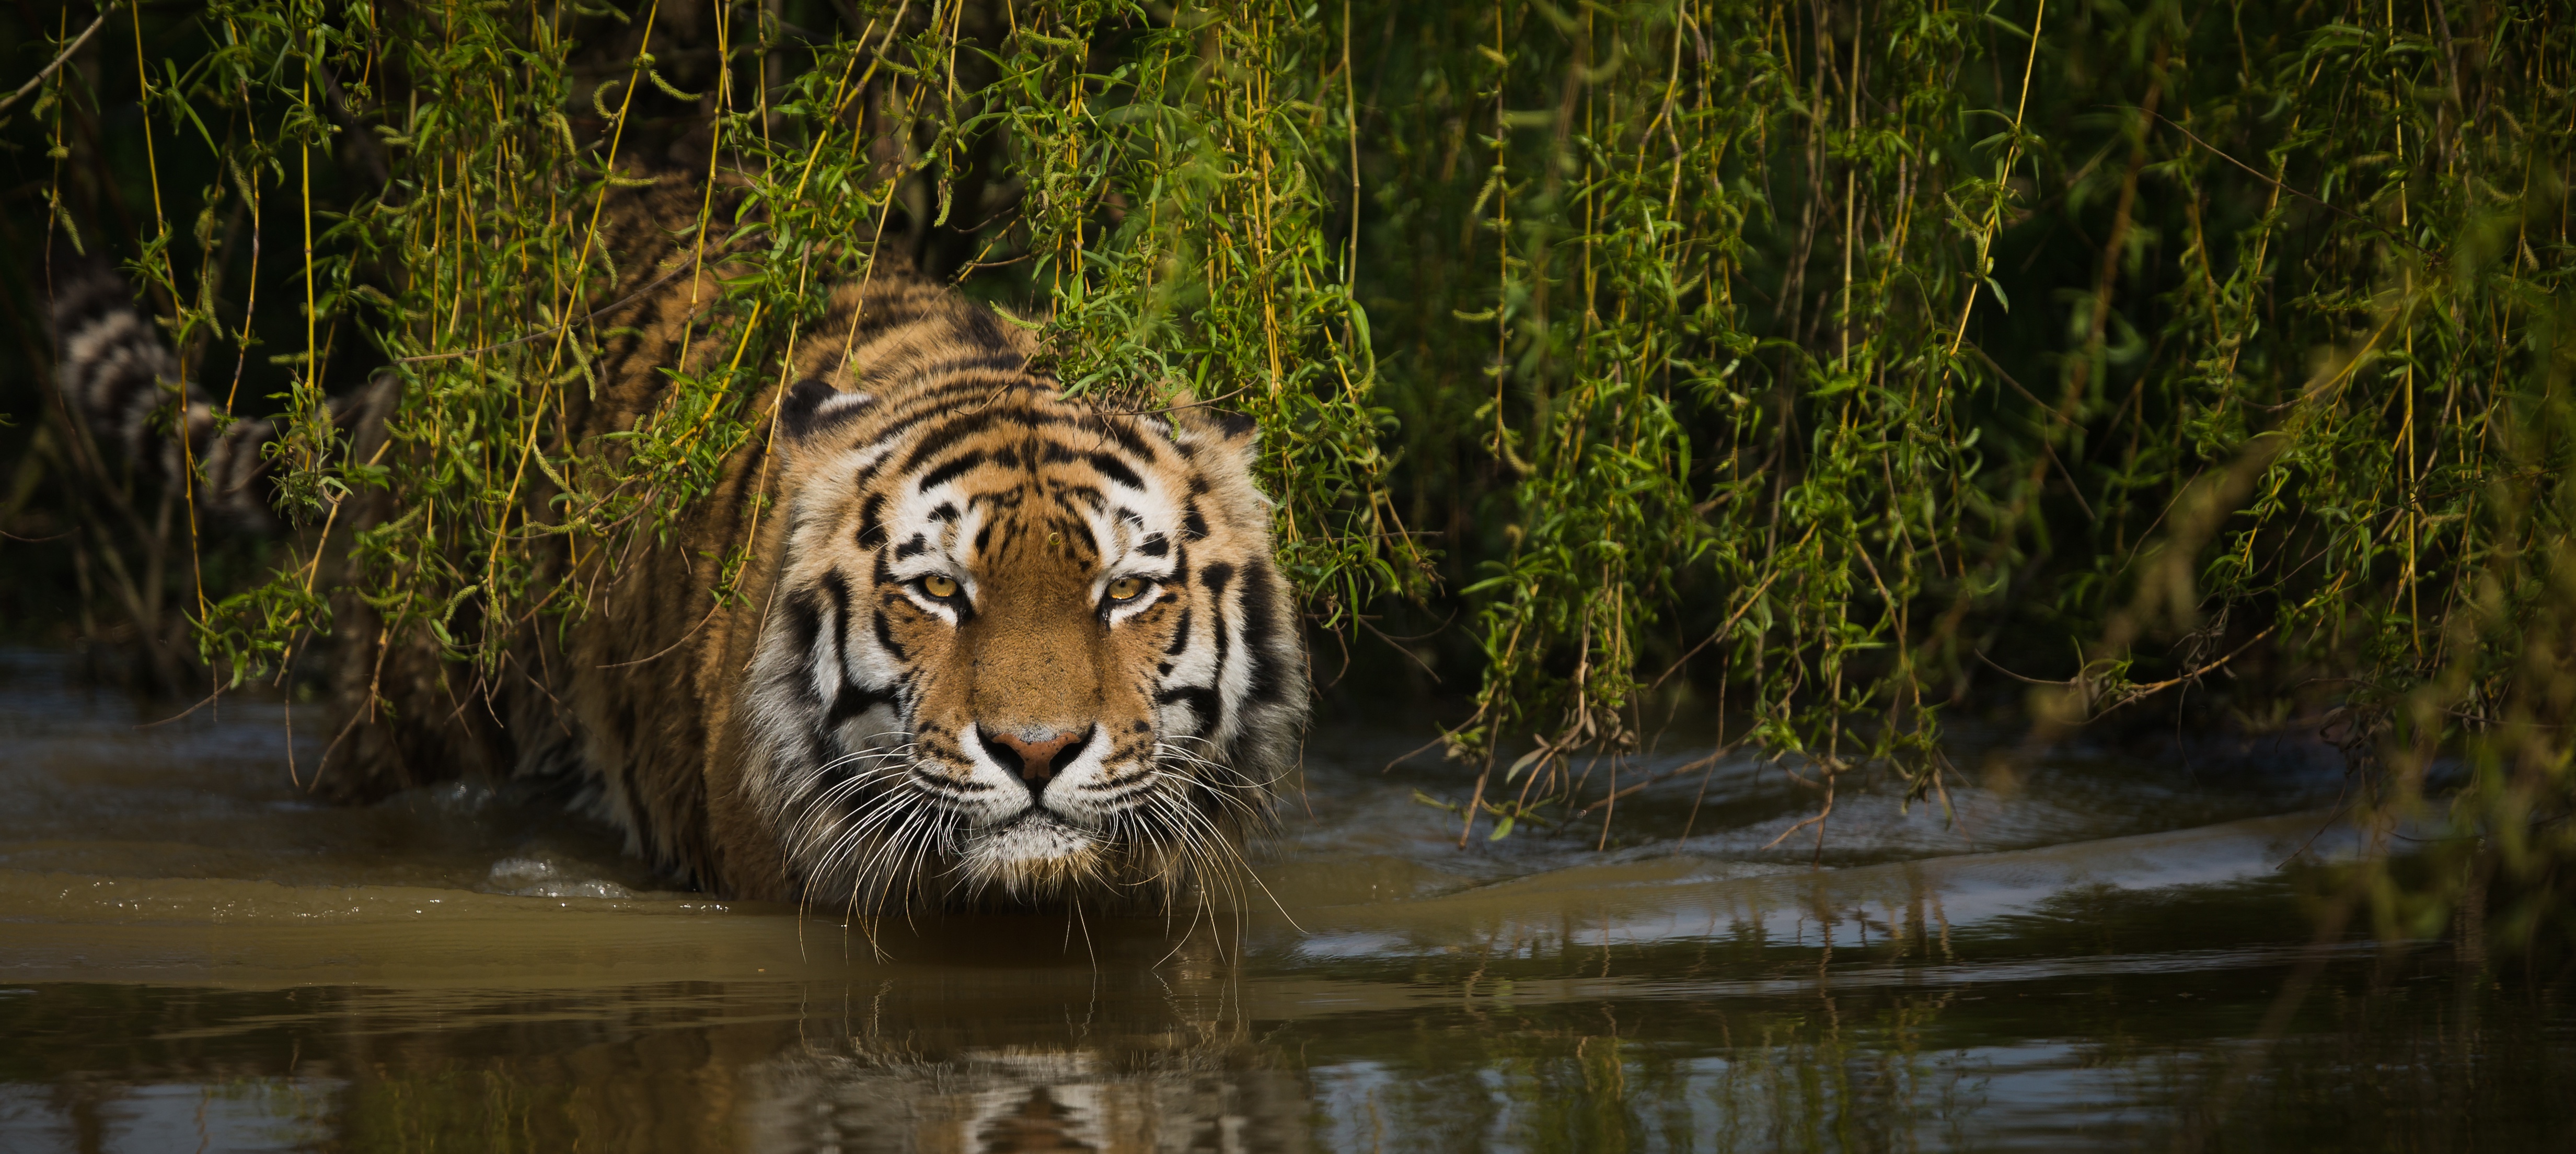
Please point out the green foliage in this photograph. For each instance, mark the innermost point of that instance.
(1879, 348)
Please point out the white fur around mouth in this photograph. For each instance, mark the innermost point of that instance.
(1032, 837)
(1034, 853)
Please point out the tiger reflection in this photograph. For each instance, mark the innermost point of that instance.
(1018, 1098)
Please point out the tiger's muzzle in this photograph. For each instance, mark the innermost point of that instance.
(1046, 817)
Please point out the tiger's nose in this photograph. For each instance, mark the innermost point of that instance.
(1039, 752)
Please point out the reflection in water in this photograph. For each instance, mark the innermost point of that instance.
(672, 1067)
(2392, 1052)
(1026, 1099)
(192, 957)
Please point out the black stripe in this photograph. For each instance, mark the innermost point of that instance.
(1070, 526)
(1122, 431)
(950, 471)
(1181, 638)
(918, 407)
(970, 423)
(804, 627)
(867, 472)
(1232, 424)
(914, 547)
(1194, 524)
(118, 383)
(885, 637)
(938, 440)
(854, 701)
(1260, 628)
(1202, 701)
(1107, 464)
(1003, 361)
(954, 791)
(951, 395)
(1117, 470)
(1215, 577)
(872, 532)
(838, 587)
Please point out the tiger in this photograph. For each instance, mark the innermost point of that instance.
(992, 644)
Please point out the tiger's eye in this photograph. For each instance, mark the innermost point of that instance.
(1126, 588)
(938, 586)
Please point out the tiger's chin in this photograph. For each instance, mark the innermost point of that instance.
(1034, 856)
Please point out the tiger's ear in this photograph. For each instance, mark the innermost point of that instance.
(1200, 430)
(811, 407)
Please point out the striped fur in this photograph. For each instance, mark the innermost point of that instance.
(117, 377)
(997, 645)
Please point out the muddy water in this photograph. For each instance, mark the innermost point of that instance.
(195, 956)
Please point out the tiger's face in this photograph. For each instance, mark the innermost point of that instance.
(1019, 648)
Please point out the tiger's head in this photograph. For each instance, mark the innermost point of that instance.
(1020, 647)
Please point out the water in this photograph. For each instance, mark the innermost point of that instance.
(193, 955)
